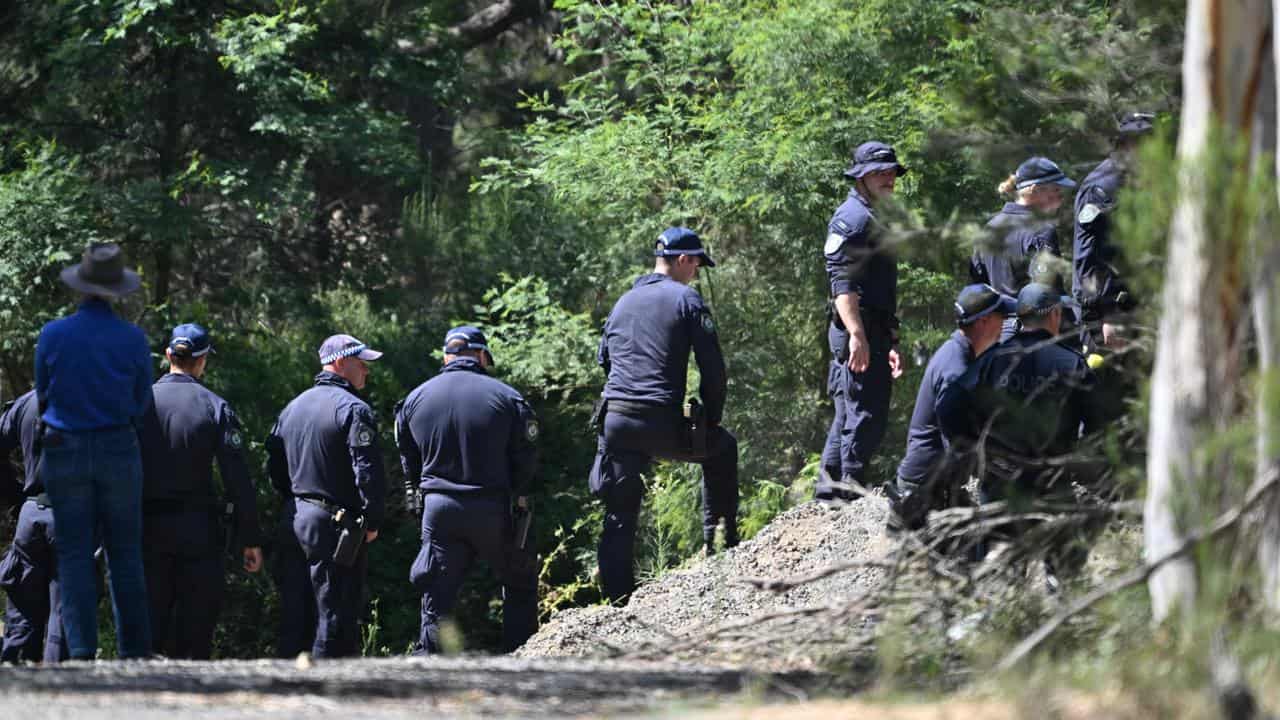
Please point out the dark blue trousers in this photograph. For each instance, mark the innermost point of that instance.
(625, 451)
(32, 626)
(94, 480)
(185, 581)
(292, 576)
(338, 590)
(862, 411)
(456, 531)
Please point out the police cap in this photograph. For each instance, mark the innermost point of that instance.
(190, 340)
(1039, 299)
(466, 337)
(340, 346)
(1041, 171)
(1136, 123)
(681, 241)
(874, 156)
(979, 300)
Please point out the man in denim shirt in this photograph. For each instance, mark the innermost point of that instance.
(93, 381)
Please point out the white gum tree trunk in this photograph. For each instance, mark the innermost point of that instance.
(1266, 321)
(1226, 52)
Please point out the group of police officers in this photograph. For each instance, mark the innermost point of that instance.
(1011, 382)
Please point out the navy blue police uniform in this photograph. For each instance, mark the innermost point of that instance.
(644, 350)
(925, 471)
(858, 261)
(185, 429)
(1026, 399)
(326, 443)
(291, 572)
(469, 440)
(1098, 285)
(1018, 236)
(29, 570)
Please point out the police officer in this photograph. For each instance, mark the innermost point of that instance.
(324, 446)
(184, 430)
(468, 439)
(863, 335)
(924, 473)
(1025, 400)
(1022, 230)
(645, 353)
(28, 572)
(1098, 285)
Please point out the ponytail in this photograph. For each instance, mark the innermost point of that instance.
(1008, 186)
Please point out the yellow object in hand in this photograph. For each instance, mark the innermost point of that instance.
(1094, 361)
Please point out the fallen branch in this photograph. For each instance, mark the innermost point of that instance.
(784, 584)
(1141, 574)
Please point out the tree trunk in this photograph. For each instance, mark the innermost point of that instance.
(1266, 322)
(1225, 55)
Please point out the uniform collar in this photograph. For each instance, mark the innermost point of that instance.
(963, 341)
(178, 378)
(464, 363)
(1037, 335)
(650, 279)
(1013, 208)
(327, 378)
(854, 194)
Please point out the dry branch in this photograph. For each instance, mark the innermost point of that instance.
(1140, 575)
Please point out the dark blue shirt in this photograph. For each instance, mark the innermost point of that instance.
(93, 370)
(1097, 283)
(185, 429)
(1017, 236)
(325, 446)
(18, 432)
(463, 431)
(646, 343)
(925, 444)
(1028, 394)
(857, 262)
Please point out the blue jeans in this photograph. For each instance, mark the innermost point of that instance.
(94, 480)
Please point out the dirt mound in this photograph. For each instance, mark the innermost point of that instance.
(672, 616)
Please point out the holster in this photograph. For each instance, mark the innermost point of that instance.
(695, 422)
(350, 538)
(521, 560)
(597, 415)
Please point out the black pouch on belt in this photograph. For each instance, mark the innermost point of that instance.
(350, 538)
(695, 420)
(598, 413)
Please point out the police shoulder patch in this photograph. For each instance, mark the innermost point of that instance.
(707, 323)
(834, 242)
(235, 440)
(531, 430)
(364, 437)
(1088, 213)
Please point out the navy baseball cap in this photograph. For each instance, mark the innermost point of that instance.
(1136, 123)
(466, 337)
(1041, 171)
(979, 300)
(340, 346)
(681, 241)
(1039, 299)
(872, 157)
(190, 340)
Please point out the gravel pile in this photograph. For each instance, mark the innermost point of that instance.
(667, 616)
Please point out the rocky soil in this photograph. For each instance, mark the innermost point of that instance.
(671, 617)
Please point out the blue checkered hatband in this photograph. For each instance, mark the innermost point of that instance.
(344, 352)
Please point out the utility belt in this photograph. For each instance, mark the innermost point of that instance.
(350, 529)
(871, 317)
(692, 416)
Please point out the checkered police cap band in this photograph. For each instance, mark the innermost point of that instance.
(344, 352)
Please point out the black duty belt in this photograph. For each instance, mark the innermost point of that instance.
(639, 409)
(321, 503)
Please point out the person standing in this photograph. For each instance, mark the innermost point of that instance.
(1098, 284)
(468, 439)
(1021, 231)
(29, 571)
(185, 429)
(644, 351)
(924, 473)
(863, 333)
(324, 447)
(93, 383)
